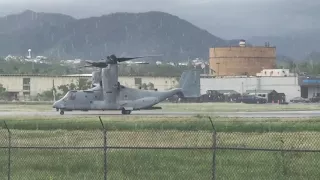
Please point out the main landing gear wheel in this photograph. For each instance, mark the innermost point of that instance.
(61, 112)
(123, 111)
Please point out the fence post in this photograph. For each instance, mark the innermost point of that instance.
(214, 145)
(9, 150)
(104, 148)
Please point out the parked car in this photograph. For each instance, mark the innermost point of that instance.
(315, 99)
(300, 100)
(251, 99)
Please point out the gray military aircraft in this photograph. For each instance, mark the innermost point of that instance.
(108, 94)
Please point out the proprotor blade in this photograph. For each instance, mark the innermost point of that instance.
(140, 63)
(127, 58)
(99, 64)
(122, 59)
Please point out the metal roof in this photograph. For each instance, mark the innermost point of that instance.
(227, 91)
(259, 91)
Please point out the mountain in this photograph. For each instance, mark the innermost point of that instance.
(28, 20)
(313, 56)
(296, 45)
(123, 34)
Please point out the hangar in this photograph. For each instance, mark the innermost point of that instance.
(26, 86)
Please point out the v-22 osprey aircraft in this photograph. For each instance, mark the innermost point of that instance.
(108, 94)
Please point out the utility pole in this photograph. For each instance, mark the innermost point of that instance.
(218, 67)
(241, 87)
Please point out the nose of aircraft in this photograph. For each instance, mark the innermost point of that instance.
(57, 104)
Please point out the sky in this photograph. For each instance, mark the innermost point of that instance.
(227, 19)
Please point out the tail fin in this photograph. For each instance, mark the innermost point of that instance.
(190, 83)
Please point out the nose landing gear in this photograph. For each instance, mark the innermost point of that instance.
(61, 112)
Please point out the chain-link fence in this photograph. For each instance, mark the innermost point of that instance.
(106, 152)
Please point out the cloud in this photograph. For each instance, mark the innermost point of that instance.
(225, 18)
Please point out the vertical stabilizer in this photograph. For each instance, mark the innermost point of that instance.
(190, 83)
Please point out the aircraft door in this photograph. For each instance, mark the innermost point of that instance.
(70, 103)
(82, 101)
(85, 101)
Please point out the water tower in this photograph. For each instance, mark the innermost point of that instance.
(241, 60)
(29, 56)
(242, 43)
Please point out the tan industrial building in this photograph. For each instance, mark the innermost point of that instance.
(241, 60)
(23, 86)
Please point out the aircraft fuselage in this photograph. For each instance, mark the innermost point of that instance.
(128, 99)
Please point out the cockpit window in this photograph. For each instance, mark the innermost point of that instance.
(70, 96)
(65, 97)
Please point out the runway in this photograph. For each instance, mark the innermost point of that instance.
(270, 114)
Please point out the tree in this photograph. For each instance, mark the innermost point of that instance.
(150, 86)
(63, 88)
(292, 65)
(3, 92)
(67, 87)
(15, 68)
(36, 71)
(46, 95)
(83, 84)
(144, 86)
(67, 71)
(2, 89)
(72, 86)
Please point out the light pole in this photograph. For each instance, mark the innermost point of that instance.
(218, 67)
(241, 87)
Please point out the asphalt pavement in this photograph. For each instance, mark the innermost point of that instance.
(269, 114)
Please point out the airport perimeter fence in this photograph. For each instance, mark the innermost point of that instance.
(160, 153)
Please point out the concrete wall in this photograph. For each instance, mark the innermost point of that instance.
(39, 84)
(12, 83)
(287, 85)
(241, 60)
